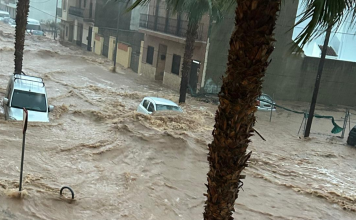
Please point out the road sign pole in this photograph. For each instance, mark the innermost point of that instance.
(24, 128)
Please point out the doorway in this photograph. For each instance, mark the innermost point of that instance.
(161, 62)
(79, 34)
(90, 31)
(193, 76)
(71, 33)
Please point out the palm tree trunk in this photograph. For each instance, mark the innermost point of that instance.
(251, 44)
(21, 23)
(192, 33)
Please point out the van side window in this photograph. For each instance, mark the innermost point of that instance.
(354, 129)
(145, 103)
(8, 94)
(151, 108)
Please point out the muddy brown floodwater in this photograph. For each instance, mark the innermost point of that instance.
(123, 165)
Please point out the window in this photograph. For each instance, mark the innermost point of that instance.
(151, 108)
(66, 31)
(145, 103)
(176, 64)
(168, 108)
(29, 100)
(65, 5)
(85, 3)
(149, 58)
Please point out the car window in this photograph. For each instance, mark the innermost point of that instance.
(145, 103)
(265, 98)
(151, 108)
(9, 90)
(29, 100)
(167, 107)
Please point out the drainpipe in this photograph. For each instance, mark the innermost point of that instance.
(206, 53)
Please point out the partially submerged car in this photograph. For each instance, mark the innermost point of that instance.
(351, 140)
(26, 92)
(150, 105)
(38, 33)
(265, 103)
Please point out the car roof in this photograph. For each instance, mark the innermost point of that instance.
(32, 21)
(161, 101)
(29, 83)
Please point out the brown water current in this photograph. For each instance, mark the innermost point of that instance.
(124, 165)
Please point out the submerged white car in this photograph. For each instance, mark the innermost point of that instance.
(150, 105)
(26, 92)
(265, 103)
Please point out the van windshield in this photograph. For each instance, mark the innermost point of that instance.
(29, 100)
(33, 27)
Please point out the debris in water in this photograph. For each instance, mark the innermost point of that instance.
(16, 194)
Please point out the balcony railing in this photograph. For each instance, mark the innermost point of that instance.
(88, 15)
(169, 26)
(75, 11)
(59, 12)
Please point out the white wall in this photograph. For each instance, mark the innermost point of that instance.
(342, 40)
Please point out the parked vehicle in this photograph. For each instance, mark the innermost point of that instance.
(3, 15)
(38, 33)
(351, 140)
(9, 21)
(265, 103)
(26, 92)
(33, 24)
(150, 105)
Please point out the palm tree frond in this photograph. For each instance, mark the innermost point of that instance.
(320, 14)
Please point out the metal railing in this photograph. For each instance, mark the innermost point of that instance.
(76, 11)
(175, 27)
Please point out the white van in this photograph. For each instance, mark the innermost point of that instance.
(33, 25)
(26, 92)
(4, 14)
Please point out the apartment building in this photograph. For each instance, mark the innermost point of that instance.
(77, 22)
(164, 42)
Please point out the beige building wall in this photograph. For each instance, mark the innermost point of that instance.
(123, 55)
(173, 47)
(99, 43)
(111, 47)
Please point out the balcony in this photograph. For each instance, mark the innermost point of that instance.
(75, 11)
(59, 12)
(88, 15)
(169, 26)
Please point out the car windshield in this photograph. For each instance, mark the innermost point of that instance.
(168, 108)
(33, 27)
(265, 98)
(29, 100)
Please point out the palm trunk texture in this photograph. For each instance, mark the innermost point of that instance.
(192, 33)
(21, 23)
(251, 44)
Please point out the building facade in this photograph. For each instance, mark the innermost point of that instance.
(163, 47)
(77, 22)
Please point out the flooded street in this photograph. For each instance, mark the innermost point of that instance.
(124, 165)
